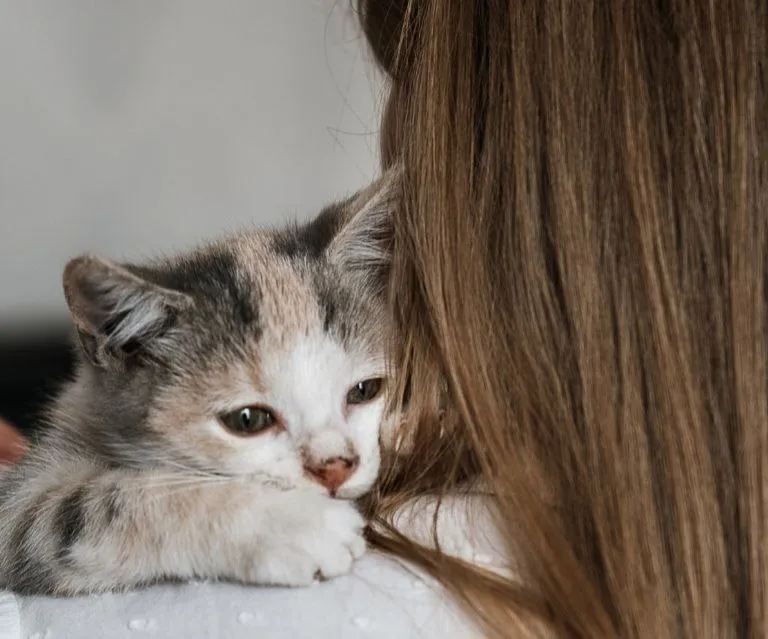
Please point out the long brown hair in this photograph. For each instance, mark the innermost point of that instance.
(580, 258)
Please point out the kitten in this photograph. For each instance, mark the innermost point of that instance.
(226, 407)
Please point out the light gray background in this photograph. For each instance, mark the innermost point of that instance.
(132, 127)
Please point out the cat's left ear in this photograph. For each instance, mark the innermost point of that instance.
(117, 312)
(363, 245)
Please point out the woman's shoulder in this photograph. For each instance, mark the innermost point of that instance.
(381, 598)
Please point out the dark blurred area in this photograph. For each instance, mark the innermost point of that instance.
(32, 368)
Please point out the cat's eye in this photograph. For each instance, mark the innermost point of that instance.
(365, 391)
(250, 420)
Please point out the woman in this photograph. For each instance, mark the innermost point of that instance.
(580, 252)
(580, 259)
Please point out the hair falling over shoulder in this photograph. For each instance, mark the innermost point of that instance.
(580, 259)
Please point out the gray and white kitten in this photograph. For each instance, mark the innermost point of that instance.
(226, 407)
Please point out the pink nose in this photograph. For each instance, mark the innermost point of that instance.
(333, 473)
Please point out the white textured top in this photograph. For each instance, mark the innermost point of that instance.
(10, 622)
(381, 599)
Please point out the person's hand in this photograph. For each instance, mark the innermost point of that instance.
(12, 444)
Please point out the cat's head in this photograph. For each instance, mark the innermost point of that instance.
(261, 354)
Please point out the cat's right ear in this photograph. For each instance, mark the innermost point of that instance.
(363, 245)
(117, 313)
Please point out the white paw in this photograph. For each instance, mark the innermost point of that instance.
(314, 537)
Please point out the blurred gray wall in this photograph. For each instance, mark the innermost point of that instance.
(132, 127)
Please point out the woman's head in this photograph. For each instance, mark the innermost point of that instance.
(580, 259)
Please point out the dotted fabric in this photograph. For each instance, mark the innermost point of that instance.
(10, 622)
(380, 599)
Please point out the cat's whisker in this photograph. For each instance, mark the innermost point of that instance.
(174, 482)
(188, 479)
(190, 469)
(175, 490)
(156, 483)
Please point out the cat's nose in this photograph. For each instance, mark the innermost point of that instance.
(334, 472)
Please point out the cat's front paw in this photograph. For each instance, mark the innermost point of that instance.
(319, 539)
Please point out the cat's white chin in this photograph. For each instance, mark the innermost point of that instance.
(344, 493)
(350, 493)
(361, 481)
